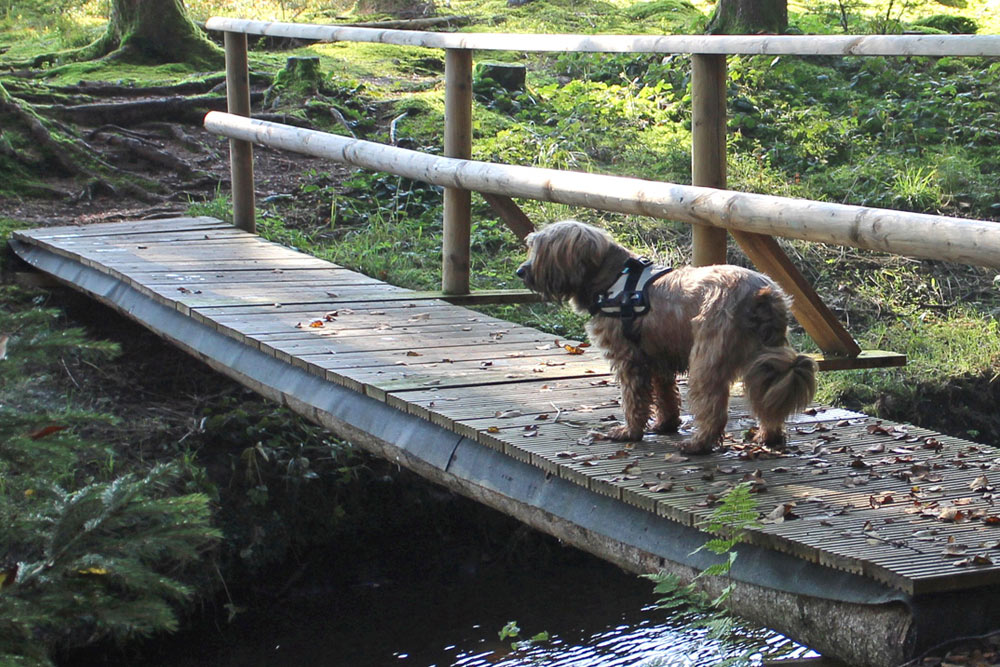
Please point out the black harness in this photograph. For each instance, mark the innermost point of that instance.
(628, 299)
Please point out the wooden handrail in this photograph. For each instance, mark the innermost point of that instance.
(968, 241)
(803, 45)
(750, 218)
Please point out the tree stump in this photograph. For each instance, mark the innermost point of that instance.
(508, 76)
(300, 79)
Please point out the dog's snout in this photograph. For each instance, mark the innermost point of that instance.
(522, 270)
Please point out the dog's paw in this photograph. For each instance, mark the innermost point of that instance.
(671, 425)
(622, 432)
(774, 442)
(695, 446)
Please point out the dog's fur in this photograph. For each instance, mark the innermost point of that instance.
(716, 322)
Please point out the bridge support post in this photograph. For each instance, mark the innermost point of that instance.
(457, 144)
(240, 152)
(708, 147)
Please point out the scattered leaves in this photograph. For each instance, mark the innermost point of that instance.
(47, 431)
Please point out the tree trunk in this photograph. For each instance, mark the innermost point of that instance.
(145, 31)
(749, 17)
(160, 31)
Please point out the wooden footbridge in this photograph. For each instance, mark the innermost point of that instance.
(878, 540)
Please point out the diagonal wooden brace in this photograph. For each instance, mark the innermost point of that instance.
(510, 213)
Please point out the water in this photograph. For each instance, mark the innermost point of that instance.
(399, 610)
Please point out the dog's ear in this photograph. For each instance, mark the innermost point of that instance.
(569, 258)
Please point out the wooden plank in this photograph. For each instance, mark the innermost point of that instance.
(864, 359)
(108, 229)
(151, 237)
(483, 297)
(325, 274)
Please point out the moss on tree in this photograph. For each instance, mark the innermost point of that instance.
(749, 17)
(148, 32)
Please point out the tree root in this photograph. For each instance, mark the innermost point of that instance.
(189, 110)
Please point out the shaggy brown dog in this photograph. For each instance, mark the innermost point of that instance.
(716, 322)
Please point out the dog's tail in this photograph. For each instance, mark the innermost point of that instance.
(779, 382)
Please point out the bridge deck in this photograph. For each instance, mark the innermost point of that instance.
(904, 506)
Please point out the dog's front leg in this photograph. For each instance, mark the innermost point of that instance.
(667, 397)
(635, 381)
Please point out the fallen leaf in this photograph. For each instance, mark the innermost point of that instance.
(567, 454)
(951, 514)
(659, 487)
(980, 483)
(48, 430)
(492, 429)
(574, 349)
(316, 324)
(975, 560)
(507, 414)
(955, 550)
(783, 512)
(674, 457)
(411, 353)
(884, 498)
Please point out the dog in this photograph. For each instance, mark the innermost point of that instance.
(718, 323)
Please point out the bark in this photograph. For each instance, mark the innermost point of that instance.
(161, 31)
(749, 17)
(144, 31)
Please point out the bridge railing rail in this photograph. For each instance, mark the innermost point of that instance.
(715, 213)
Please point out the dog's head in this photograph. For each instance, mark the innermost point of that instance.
(571, 260)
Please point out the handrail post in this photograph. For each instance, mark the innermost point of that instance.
(240, 152)
(457, 144)
(708, 147)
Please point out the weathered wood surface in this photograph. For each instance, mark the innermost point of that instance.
(962, 240)
(899, 504)
(240, 152)
(807, 45)
(457, 217)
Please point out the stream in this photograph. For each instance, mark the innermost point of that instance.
(420, 603)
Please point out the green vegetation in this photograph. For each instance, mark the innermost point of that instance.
(114, 519)
(125, 507)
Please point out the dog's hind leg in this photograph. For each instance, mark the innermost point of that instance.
(709, 379)
(637, 397)
(667, 398)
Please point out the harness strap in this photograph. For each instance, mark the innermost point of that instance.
(628, 299)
